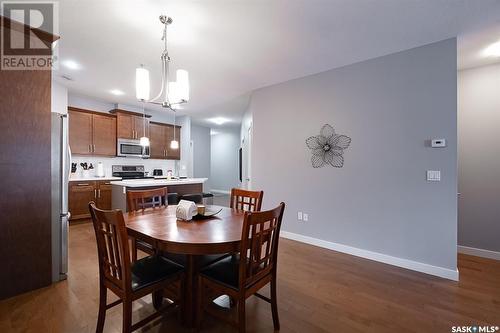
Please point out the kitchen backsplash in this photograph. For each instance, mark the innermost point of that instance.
(149, 164)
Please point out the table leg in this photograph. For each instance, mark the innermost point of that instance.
(157, 299)
(190, 290)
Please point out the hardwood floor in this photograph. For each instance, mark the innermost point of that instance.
(318, 291)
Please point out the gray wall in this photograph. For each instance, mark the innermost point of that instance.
(380, 201)
(479, 157)
(200, 136)
(224, 159)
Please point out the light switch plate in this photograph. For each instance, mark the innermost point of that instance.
(434, 175)
(438, 143)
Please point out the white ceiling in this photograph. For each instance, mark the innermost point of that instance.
(233, 47)
(471, 46)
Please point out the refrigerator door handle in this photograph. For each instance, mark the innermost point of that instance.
(65, 171)
(64, 247)
(66, 164)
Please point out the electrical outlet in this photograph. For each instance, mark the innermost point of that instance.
(305, 217)
(299, 216)
(433, 175)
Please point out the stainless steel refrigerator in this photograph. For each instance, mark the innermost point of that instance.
(61, 166)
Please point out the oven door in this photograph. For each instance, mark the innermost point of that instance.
(131, 148)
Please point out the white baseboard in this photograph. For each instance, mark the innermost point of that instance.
(220, 192)
(395, 261)
(479, 252)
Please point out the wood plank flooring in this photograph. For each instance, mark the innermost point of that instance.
(318, 291)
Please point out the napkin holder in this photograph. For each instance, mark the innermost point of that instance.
(186, 210)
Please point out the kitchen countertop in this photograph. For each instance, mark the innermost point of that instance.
(91, 178)
(157, 182)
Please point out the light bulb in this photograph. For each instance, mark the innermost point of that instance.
(174, 144)
(183, 84)
(142, 83)
(144, 141)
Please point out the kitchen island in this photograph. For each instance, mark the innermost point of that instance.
(179, 186)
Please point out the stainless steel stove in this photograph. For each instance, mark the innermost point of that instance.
(129, 172)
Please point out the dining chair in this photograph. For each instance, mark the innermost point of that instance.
(243, 276)
(138, 201)
(194, 197)
(129, 281)
(246, 200)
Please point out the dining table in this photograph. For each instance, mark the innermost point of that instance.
(219, 234)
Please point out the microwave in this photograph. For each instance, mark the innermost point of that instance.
(131, 148)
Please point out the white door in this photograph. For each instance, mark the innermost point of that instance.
(246, 167)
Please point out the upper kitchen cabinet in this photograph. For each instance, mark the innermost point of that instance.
(104, 135)
(160, 138)
(173, 154)
(91, 133)
(157, 141)
(80, 132)
(131, 125)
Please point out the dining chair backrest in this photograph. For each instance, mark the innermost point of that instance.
(142, 199)
(112, 246)
(246, 200)
(259, 244)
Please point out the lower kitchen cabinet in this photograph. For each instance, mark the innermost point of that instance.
(83, 192)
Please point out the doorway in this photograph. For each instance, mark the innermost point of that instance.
(246, 165)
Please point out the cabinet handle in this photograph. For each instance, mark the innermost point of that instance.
(93, 148)
(95, 193)
(82, 184)
(99, 193)
(90, 148)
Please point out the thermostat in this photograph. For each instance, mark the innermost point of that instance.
(438, 143)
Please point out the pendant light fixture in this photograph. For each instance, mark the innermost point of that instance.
(144, 140)
(174, 144)
(172, 93)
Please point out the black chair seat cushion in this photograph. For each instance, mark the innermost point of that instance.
(225, 271)
(195, 197)
(203, 260)
(152, 269)
(146, 247)
(172, 198)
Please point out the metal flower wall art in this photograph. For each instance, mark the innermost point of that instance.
(327, 148)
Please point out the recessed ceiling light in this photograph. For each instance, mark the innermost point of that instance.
(116, 92)
(71, 64)
(218, 120)
(493, 50)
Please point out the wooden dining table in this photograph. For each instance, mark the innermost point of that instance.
(215, 235)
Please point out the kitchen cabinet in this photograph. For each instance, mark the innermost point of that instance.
(91, 133)
(104, 135)
(173, 154)
(83, 192)
(157, 141)
(104, 194)
(80, 194)
(160, 137)
(80, 132)
(131, 126)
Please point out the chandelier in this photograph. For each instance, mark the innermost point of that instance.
(172, 93)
